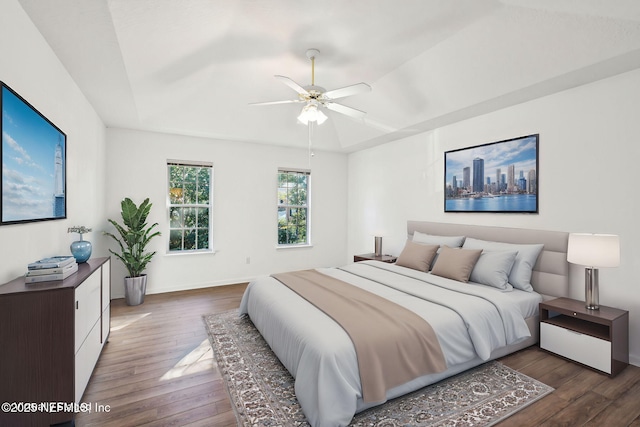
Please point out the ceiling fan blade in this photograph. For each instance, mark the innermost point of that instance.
(347, 91)
(293, 85)
(343, 109)
(290, 101)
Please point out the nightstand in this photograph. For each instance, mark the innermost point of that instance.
(598, 339)
(372, 257)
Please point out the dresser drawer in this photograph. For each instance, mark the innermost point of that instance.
(582, 348)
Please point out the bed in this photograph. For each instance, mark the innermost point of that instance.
(473, 321)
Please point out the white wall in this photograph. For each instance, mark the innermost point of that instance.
(30, 67)
(244, 217)
(588, 174)
(589, 150)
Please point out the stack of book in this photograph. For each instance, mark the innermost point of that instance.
(50, 269)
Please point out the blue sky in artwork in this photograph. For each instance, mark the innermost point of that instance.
(28, 161)
(519, 152)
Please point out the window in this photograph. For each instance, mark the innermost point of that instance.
(293, 207)
(190, 206)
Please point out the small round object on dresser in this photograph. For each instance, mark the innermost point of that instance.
(81, 250)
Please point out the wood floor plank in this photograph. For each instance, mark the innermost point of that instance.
(535, 414)
(622, 411)
(158, 370)
(183, 417)
(580, 411)
(585, 381)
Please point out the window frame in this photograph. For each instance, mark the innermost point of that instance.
(170, 205)
(307, 207)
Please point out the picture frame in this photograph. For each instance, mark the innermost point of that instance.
(499, 177)
(33, 153)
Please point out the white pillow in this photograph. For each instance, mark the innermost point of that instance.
(493, 268)
(451, 241)
(520, 275)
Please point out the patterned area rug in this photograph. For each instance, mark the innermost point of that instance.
(262, 390)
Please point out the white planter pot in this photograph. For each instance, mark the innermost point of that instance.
(135, 289)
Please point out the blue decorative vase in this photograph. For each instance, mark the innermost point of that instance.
(81, 250)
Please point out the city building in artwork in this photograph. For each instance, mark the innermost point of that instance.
(511, 178)
(58, 195)
(478, 175)
(466, 177)
(532, 187)
(513, 182)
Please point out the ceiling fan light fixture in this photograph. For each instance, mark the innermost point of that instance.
(315, 97)
(311, 113)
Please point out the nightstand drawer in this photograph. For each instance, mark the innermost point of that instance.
(582, 348)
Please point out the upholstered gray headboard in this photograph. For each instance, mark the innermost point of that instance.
(551, 273)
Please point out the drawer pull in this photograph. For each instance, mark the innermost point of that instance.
(575, 314)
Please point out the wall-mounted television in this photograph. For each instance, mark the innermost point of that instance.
(499, 176)
(33, 156)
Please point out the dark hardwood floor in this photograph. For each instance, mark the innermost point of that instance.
(158, 370)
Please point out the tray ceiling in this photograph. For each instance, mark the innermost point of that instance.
(192, 67)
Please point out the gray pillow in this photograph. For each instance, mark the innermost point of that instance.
(451, 241)
(456, 264)
(493, 268)
(417, 256)
(520, 275)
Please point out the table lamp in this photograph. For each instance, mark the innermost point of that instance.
(593, 251)
(378, 245)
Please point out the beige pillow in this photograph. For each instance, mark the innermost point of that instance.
(456, 264)
(417, 256)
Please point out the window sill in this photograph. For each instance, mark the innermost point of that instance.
(182, 253)
(306, 245)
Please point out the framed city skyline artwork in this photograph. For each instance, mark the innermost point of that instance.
(499, 176)
(33, 153)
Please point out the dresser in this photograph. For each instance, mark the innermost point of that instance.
(51, 336)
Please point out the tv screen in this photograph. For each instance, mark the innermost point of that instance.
(500, 176)
(33, 156)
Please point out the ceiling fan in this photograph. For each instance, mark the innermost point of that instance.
(315, 97)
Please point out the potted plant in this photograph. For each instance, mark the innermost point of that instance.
(133, 238)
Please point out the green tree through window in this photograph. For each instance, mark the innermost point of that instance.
(190, 206)
(293, 207)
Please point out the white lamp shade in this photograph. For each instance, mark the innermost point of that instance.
(594, 250)
(311, 113)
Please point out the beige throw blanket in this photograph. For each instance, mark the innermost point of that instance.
(393, 344)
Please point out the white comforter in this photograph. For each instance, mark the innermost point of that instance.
(470, 322)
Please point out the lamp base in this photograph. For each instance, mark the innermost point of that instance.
(591, 288)
(378, 246)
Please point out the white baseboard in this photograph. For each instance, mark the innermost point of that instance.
(187, 287)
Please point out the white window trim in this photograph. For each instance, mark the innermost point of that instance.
(308, 243)
(210, 250)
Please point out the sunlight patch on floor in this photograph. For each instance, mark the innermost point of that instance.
(122, 322)
(198, 360)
